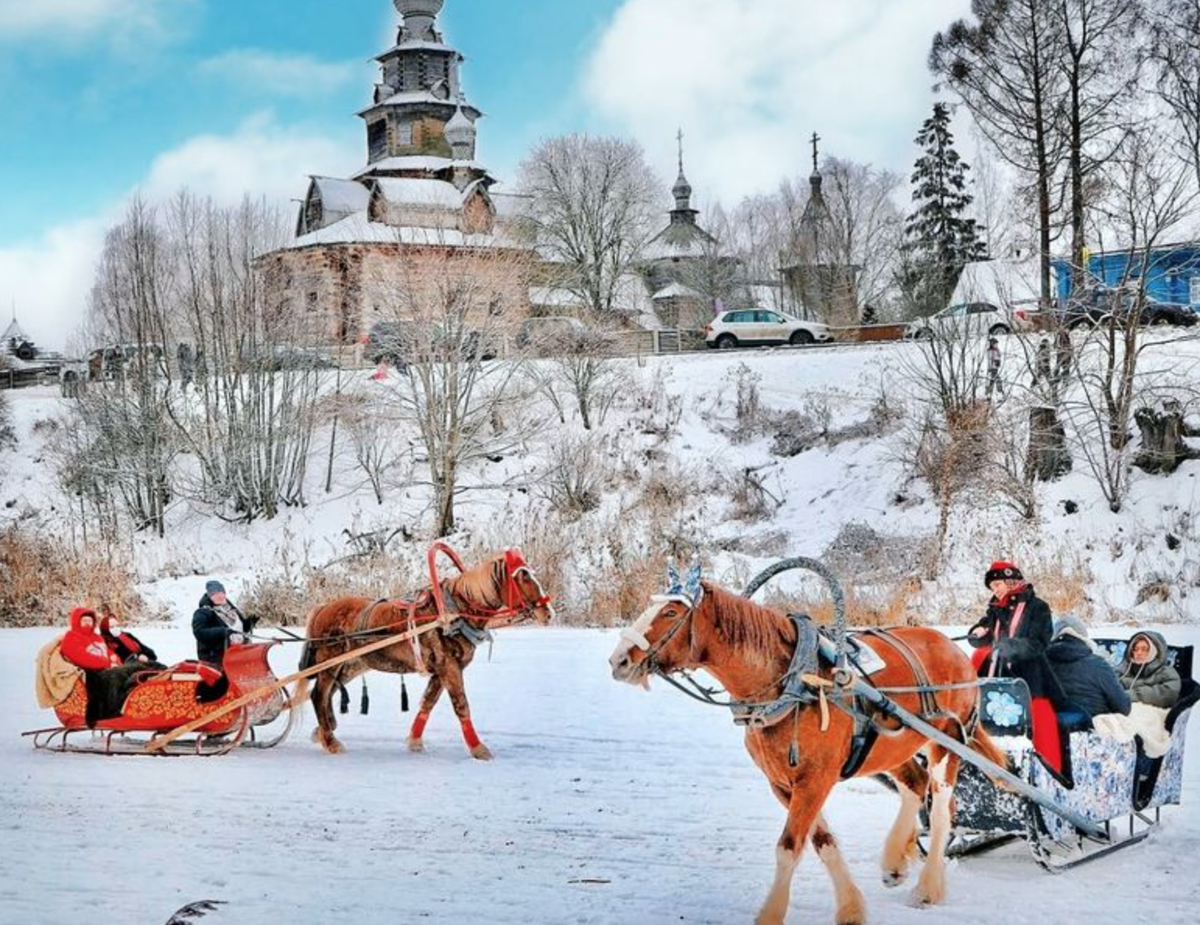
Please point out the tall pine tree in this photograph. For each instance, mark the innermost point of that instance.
(940, 239)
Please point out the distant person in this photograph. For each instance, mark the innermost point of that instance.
(1042, 370)
(1065, 356)
(1089, 681)
(218, 624)
(187, 364)
(1145, 673)
(994, 360)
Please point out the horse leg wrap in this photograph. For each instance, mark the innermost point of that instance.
(469, 734)
(418, 726)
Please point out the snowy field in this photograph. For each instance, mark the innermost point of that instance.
(604, 805)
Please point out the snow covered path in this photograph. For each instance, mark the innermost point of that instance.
(651, 793)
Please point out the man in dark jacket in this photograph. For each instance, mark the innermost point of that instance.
(1088, 680)
(218, 624)
(1011, 642)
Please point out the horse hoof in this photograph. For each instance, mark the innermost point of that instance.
(481, 753)
(928, 896)
(893, 878)
(416, 745)
(851, 920)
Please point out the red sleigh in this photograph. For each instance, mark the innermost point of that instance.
(165, 700)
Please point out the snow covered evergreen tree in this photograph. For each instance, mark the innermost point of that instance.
(940, 238)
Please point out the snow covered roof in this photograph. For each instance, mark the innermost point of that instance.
(409, 97)
(1002, 282)
(415, 45)
(12, 332)
(416, 163)
(409, 191)
(554, 296)
(342, 197)
(357, 229)
(678, 240)
(510, 205)
(675, 291)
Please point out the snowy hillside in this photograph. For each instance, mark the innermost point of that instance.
(668, 465)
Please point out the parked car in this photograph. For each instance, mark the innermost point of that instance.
(1095, 306)
(285, 357)
(759, 327)
(975, 319)
(400, 342)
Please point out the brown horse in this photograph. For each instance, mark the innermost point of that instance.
(749, 648)
(499, 592)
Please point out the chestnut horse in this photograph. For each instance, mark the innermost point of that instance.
(748, 649)
(499, 592)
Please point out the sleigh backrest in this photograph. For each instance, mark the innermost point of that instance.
(1179, 657)
(1004, 706)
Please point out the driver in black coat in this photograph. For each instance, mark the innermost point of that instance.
(218, 624)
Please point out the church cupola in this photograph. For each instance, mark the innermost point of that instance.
(460, 133)
(419, 17)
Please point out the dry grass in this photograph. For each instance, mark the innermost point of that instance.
(42, 580)
(285, 595)
(891, 605)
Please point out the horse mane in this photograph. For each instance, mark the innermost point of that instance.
(747, 627)
(481, 584)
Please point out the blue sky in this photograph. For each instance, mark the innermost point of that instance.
(99, 98)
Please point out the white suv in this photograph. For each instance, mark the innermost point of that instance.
(974, 319)
(757, 327)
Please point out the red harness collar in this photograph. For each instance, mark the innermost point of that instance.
(514, 601)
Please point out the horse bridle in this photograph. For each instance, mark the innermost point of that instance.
(636, 637)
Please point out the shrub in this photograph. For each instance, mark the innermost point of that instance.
(42, 580)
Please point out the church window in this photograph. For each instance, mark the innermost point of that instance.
(313, 298)
(377, 140)
(405, 134)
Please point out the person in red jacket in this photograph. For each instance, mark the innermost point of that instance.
(82, 645)
(108, 680)
(126, 646)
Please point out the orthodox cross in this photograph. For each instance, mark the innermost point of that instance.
(816, 140)
(680, 137)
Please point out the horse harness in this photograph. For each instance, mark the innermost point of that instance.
(802, 687)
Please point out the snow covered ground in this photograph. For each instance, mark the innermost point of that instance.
(604, 805)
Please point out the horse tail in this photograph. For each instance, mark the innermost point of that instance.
(308, 658)
(986, 746)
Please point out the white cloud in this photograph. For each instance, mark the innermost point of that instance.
(71, 20)
(50, 277)
(751, 80)
(253, 69)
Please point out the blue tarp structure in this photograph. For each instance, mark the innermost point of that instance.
(1172, 272)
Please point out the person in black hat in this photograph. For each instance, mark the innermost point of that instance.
(218, 624)
(1011, 642)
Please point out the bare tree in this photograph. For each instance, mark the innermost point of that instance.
(594, 204)
(456, 303)
(584, 375)
(1005, 66)
(127, 419)
(1152, 192)
(1175, 56)
(250, 423)
(1099, 66)
(374, 428)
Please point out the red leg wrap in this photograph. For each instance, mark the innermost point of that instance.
(469, 734)
(418, 726)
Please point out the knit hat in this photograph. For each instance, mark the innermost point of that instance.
(214, 587)
(1071, 626)
(1002, 570)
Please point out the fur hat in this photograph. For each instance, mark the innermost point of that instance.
(1002, 570)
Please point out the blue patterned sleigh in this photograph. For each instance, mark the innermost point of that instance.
(1108, 782)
